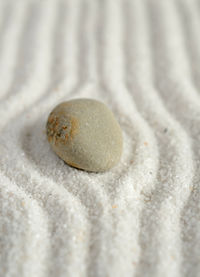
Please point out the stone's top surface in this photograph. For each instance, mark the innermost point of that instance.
(85, 134)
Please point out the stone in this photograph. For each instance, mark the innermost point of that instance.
(85, 134)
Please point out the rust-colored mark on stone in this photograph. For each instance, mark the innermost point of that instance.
(50, 120)
(74, 127)
(52, 128)
(73, 164)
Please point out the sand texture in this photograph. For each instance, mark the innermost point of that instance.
(141, 218)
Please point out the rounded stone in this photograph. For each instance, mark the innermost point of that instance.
(85, 134)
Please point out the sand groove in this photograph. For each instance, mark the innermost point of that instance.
(142, 217)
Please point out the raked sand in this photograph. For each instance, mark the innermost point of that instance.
(142, 59)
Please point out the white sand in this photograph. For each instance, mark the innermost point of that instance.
(142, 218)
